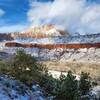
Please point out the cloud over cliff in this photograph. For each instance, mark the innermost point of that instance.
(71, 15)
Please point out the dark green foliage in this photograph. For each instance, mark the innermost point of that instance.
(24, 68)
(5, 68)
(84, 83)
(69, 88)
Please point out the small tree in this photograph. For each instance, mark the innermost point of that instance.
(84, 83)
(68, 89)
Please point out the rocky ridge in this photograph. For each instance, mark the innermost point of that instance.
(47, 42)
(39, 32)
(63, 55)
(72, 48)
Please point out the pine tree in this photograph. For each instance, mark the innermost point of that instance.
(84, 83)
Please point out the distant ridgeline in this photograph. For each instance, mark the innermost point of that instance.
(5, 37)
(50, 42)
(81, 41)
(80, 47)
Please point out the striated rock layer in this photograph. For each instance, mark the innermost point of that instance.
(53, 46)
(81, 47)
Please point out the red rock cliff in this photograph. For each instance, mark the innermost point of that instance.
(51, 46)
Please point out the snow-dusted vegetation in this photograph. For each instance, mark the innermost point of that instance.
(23, 78)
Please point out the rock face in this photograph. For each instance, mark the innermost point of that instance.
(47, 29)
(62, 48)
(53, 46)
(72, 48)
(61, 54)
(41, 32)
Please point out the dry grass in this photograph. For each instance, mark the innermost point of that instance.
(77, 67)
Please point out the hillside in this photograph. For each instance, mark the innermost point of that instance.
(59, 52)
(53, 47)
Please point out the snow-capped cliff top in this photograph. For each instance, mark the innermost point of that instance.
(48, 29)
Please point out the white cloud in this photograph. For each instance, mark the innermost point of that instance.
(12, 28)
(72, 15)
(90, 21)
(2, 12)
(38, 12)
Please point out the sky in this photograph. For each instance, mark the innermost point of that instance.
(81, 16)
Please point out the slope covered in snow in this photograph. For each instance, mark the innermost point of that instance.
(62, 39)
(11, 89)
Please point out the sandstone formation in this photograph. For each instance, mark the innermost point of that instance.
(53, 46)
(47, 29)
(41, 32)
(49, 43)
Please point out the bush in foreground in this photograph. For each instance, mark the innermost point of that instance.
(84, 83)
(67, 87)
(25, 68)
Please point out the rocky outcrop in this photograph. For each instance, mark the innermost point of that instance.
(37, 35)
(61, 54)
(30, 35)
(39, 32)
(74, 48)
(44, 31)
(48, 29)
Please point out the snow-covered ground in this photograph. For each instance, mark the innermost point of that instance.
(11, 89)
(56, 74)
(59, 39)
(63, 55)
(62, 39)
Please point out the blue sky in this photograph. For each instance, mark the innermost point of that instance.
(14, 13)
